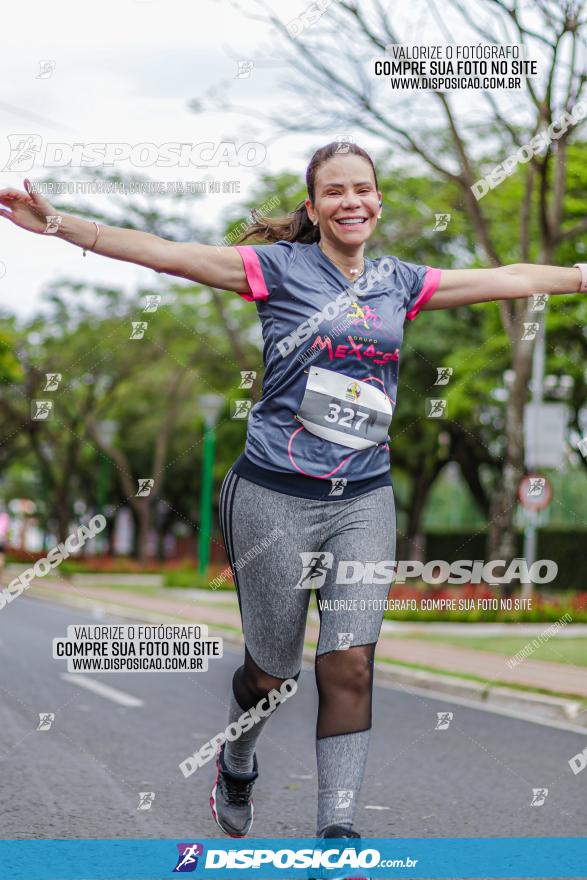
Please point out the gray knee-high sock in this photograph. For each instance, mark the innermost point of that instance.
(341, 765)
(238, 755)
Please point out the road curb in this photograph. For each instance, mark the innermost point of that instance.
(540, 706)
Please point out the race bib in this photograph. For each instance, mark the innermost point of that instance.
(344, 410)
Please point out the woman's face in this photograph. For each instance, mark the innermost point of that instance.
(346, 201)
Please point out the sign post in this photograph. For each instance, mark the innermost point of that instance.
(544, 436)
(534, 494)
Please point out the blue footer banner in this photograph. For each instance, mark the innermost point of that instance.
(495, 857)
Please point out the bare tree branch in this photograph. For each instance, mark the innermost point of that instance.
(568, 234)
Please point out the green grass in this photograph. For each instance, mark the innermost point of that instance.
(55, 591)
(192, 579)
(555, 650)
(153, 592)
(141, 589)
(488, 682)
(543, 613)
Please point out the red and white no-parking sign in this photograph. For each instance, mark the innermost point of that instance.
(534, 492)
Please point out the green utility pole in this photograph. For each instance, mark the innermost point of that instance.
(44, 493)
(206, 498)
(210, 406)
(107, 429)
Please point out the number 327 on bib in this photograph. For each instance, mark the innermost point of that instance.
(344, 410)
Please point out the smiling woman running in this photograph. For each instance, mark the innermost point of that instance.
(316, 465)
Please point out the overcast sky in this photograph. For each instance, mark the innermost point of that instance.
(125, 71)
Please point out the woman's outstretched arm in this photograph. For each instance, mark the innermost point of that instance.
(459, 287)
(220, 267)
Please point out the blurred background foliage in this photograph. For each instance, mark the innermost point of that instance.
(199, 341)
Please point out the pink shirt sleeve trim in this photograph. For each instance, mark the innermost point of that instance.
(431, 282)
(254, 274)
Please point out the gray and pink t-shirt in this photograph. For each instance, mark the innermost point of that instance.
(312, 316)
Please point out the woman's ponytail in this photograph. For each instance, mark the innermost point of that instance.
(297, 226)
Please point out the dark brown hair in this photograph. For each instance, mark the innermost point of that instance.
(297, 226)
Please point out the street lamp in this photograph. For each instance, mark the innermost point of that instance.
(210, 406)
(106, 432)
(46, 450)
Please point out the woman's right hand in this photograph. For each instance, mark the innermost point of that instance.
(205, 264)
(29, 210)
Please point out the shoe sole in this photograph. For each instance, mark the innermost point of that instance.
(215, 814)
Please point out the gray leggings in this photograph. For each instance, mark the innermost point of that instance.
(275, 542)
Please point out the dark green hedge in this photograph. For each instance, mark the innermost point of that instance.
(566, 548)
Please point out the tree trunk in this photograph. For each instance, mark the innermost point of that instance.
(501, 534)
(470, 455)
(542, 199)
(414, 540)
(63, 511)
(143, 513)
(501, 537)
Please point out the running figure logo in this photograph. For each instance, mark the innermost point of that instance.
(539, 795)
(241, 409)
(188, 857)
(338, 485)
(153, 301)
(23, 149)
(530, 330)
(443, 375)
(343, 143)
(146, 799)
(536, 487)
(42, 409)
(46, 68)
(247, 378)
(444, 719)
(365, 315)
(436, 408)
(138, 329)
(46, 719)
(244, 69)
(343, 799)
(53, 380)
(315, 566)
(345, 641)
(441, 222)
(539, 301)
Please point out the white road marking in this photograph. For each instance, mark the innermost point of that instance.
(375, 807)
(103, 690)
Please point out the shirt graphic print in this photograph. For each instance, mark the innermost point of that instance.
(312, 316)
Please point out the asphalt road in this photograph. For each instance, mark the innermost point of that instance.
(82, 777)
